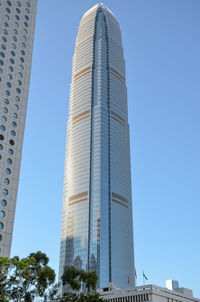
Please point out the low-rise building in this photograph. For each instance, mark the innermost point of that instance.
(149, 292)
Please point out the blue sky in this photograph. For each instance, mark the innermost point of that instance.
(161, 47)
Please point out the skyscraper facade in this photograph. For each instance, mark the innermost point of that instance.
(17, 23)
(97, 230)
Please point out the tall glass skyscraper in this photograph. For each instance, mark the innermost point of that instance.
(97, 230)
(17, 23)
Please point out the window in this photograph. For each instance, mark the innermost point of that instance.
(9, 161)
(1, 137)
(18, 10)
(8, 84)
(4, 119)
(3, 203)
(20, 74)
(23, 52)
(1, 63)
(12, 61)
(7, 93)
(2, 214)
(4, 39)
(2, 54)
(3, 47)
(26, 17)
(13, 46)
(21, 67)
(8, 171)
(23, 45)
(5, 110)
(11, 68)
(16, 24)
(2, 127)
(18, 90)
(11, 141)
(1, 147)
(6, 24)
(6, 181)
(16, 107)
(1, 237)
(17, 99)
(17, 17)
(12, 53)
(9, 3)
(8, 10)
(26, 24)
(14, 38)
(9, 76)
(15, 32)
(22, 60)
(19, 3)
(10, 151)
(5, 191)
(1, 226)
(14, 124)
(12, 132)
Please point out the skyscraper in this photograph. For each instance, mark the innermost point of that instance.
(17, 20)
(97, 207)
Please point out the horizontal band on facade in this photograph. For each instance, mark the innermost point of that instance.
(79, 117)
(77, 201)
(79, 195)
(120, 197)
(117, 75)
(82, 73)
(119, 202)
(118, 118)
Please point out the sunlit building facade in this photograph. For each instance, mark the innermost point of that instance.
(97, 230)
(17, 23)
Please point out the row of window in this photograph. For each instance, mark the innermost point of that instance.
(14, 47)
(19, 3)
(14, 39)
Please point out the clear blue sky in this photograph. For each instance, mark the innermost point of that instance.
(162, 50)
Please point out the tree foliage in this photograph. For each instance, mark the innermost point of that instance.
(26, 279)
(81, 285)
(31, 279)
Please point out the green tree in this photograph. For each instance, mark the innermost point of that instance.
(26, 279)
(77, 280)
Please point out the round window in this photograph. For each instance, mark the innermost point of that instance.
(11, 141)
(6, 181)
(2, 214)
(9, 161)
(5, 191)
(10, 151)
(8, 171)
(3, 203)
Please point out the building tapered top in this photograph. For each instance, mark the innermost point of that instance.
(104, 8)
